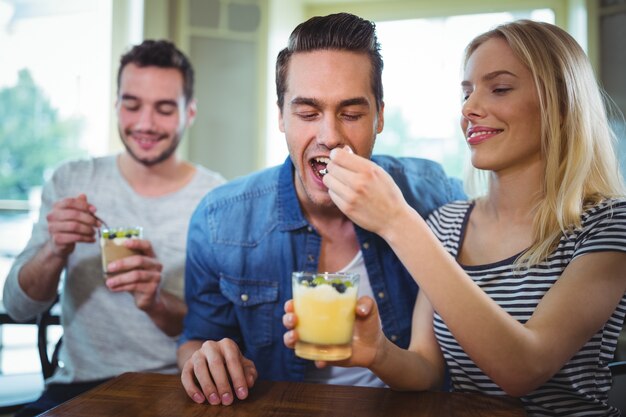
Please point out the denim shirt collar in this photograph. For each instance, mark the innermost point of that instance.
(290, 216)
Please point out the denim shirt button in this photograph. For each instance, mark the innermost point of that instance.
(394, 337)
(310, 258)
(310, 229)
(366, 245)
(244, 297)
(381, 295)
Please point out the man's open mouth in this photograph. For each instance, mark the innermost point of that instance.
(319, 165)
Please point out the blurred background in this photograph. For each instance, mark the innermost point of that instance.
(59, 59)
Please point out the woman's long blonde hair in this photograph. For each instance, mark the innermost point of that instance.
(577, 140)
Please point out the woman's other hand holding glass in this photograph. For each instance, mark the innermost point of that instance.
(368, 341)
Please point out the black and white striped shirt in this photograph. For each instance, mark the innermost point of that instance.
(581, 387)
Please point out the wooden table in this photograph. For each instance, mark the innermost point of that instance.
(155, 395)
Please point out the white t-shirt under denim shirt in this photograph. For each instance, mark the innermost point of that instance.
(338, 375)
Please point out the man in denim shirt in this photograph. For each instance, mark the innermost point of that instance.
(247, 237)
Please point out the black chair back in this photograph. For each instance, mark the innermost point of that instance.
(48, 363)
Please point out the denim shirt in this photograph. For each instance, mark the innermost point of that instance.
(247, 237)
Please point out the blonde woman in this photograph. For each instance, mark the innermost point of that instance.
(522, 290)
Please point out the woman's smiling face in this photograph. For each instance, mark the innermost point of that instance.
(501, 117)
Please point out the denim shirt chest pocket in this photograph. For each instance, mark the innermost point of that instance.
(255, 302)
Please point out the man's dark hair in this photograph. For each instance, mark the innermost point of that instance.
(162, 54)
(341, 31)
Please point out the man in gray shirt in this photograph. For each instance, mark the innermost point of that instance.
(130, 320)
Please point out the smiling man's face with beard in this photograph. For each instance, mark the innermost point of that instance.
(152, 113)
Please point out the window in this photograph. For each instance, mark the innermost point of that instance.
(54, 105)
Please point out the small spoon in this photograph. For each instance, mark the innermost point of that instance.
(101, 221)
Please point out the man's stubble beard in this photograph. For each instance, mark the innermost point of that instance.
(166, 154)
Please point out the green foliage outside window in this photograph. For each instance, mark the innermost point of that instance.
(33, 138)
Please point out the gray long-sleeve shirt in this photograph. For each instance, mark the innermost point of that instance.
(104, 333)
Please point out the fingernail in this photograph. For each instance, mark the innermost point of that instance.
(362, 309)
(214, 399)
(227, 399)
(242, 393)
(333, 152)
(349, 149)
(197, 397)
